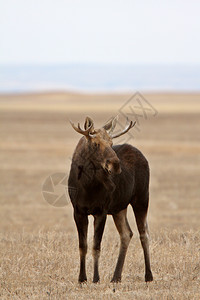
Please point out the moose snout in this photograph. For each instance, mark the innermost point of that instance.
(112, 166)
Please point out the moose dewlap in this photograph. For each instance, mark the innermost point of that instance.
(107, 179)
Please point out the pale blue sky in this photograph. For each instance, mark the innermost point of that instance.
(106, 31)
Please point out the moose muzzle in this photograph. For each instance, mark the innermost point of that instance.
(112, 166)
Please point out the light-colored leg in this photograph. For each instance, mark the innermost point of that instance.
(126, 234)
(141, 220)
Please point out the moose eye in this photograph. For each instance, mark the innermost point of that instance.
(96, 145)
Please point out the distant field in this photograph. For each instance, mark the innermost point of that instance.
(165, 103)
(38, 242)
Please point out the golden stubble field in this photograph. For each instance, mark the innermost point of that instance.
(38, 242)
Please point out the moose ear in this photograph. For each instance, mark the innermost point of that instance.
(110, 125)
(89, 123)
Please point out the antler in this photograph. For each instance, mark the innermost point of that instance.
(110, 125)
(88, 123)
(130, 125)
(81, 131)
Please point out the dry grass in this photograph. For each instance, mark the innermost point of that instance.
(45, 265)
(38, 242)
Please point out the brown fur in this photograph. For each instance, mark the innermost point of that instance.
(107, 179)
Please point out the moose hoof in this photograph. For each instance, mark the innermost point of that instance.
(116, 279)
(82, 279)
(149, 277)
(96, 280)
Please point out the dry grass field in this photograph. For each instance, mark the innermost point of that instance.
(38, 242)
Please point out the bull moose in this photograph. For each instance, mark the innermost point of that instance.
(104, 179)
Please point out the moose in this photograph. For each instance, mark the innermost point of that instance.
(103, 180)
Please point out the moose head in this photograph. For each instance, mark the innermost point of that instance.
(99, 144)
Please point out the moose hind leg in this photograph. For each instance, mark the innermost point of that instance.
(141, 220)
(99, 224)
(82, 227)
(126, 234)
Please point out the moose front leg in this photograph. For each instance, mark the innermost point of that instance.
(82, 226)
(99, 224)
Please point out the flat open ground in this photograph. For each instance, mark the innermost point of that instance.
(38, 242)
